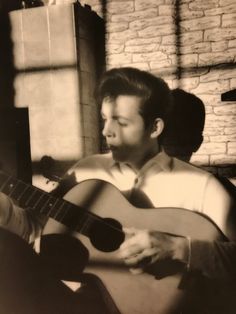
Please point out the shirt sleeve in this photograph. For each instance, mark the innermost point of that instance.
(20, 221)
(217, 259)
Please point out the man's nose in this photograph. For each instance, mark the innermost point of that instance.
(108, 129)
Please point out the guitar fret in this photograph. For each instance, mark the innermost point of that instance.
(85, 226)
(23, 198)
(61, 212)
(6, 186)
(24, 187)
(3, 179)
(55, 208)
(73, 216)
(48, 205)
(70, 214)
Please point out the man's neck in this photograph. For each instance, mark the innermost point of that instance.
(136, 165)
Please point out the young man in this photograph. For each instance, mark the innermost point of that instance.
(135, 106)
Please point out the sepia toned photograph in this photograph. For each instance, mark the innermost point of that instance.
(118, 157)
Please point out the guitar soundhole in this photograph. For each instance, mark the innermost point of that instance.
(106, 235)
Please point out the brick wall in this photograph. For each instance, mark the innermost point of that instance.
(191, 44)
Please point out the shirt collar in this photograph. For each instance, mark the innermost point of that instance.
(161, 162)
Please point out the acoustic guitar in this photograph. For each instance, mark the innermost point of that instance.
(96, 211)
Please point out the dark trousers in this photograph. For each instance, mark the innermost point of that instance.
(27, 285)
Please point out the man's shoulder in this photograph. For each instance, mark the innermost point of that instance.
(95, 160)
(188, 168)
(92, 167)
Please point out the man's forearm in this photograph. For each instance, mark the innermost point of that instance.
(215, 260)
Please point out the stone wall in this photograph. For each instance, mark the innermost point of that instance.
(191, 44)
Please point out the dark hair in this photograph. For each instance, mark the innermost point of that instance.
(154, 92)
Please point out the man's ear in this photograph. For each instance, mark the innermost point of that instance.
(157, 128)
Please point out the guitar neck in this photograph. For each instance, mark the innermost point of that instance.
(37, 200)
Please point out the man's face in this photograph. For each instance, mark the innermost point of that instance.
(124, 129)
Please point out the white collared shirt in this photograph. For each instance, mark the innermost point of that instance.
(162, 182)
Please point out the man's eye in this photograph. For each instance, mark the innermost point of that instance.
(121, 123)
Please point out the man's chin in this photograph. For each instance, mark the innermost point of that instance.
(118, 157)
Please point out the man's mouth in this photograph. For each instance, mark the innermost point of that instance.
(112, 147)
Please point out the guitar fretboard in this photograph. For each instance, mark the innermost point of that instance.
(37, 200)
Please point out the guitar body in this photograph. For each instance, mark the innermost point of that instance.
(135, 294)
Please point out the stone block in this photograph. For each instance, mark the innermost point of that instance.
(230, 131)
(219, 34)
(232, 43)
(220, 46)
(233, 83)
(211, 99)
(150, 56)
(211, 131)
(114, 48)
(167, 49)
(160, 64)
(168, 40)
(201, 23)
(141, 5)
(214, 121)
(229, 20)
(137, 15)
(121, 36)
(166, 9)
(199, 160)
(196, 48)
(189, 60)
(117, 27)
(212, 148)
(229, 109)
(231, 148)
(189, 83)
(191, 37)
(187, 14)
(141, 48)
(160, 30)
(139, 65)
(119, 59)
(223, 138)
(220, 73)
(203, 5)
(222, 159)
(216, 87)
(214, 11)
(215, 58)
(140, 24)
(118, 7)
(144, 41)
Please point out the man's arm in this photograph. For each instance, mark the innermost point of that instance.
(19, 221)
(215, 260)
